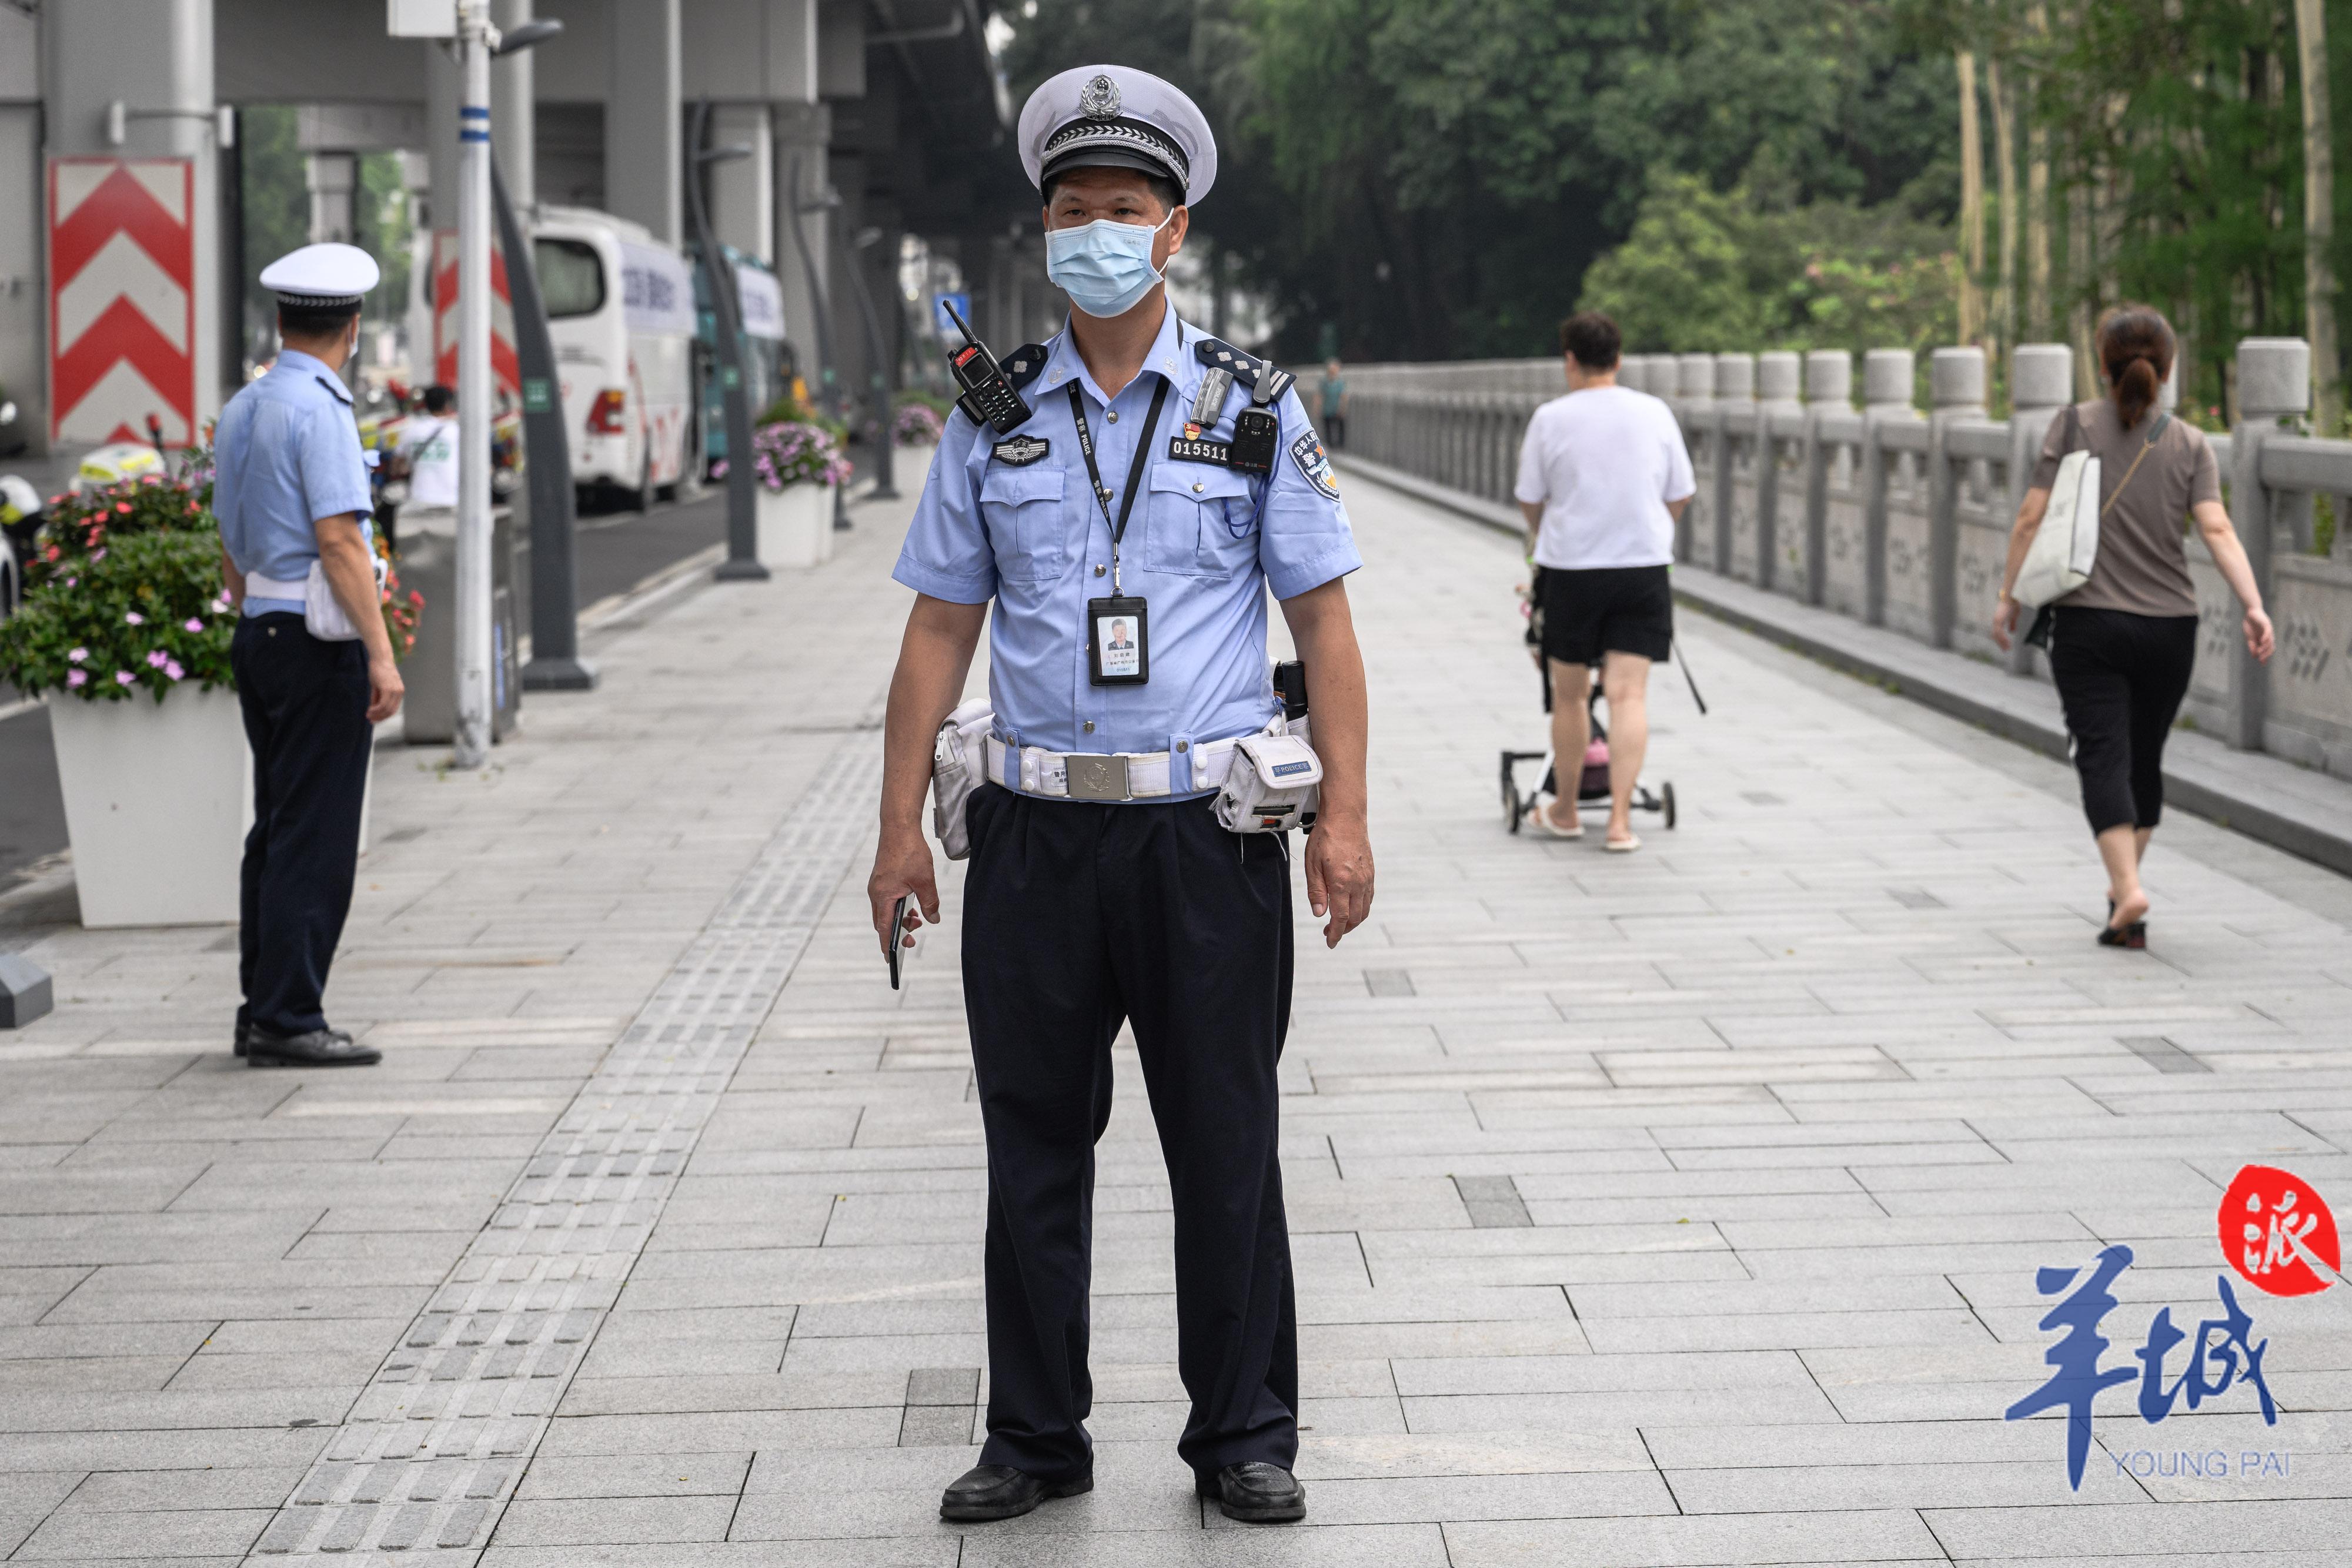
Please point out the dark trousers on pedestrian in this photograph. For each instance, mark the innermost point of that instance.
(304, 705)
(2120, 678)
(1078, 916)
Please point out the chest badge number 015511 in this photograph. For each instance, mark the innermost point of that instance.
(1308, 453)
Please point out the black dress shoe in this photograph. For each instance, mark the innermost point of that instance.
(1256, 1494)
(244, 1036)
(1000, 1491)
(319, 1048)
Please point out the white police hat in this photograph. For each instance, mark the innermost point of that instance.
(1097, 117)
(321, 275)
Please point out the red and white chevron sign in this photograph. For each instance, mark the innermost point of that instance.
(506, 370)
(122, 312)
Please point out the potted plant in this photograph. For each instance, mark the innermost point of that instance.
(127, 634)
(797, 462)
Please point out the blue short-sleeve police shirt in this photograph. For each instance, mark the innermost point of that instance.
(1003, 518)
(285, 456)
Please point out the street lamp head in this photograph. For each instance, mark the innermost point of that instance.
(726, 155)
(868, 236)
(523, 37)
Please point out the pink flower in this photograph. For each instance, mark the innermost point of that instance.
(171, 668)
(76, 677)
(134, 618)
(123, 677)
(98, 555)
(77, 656)
(193, 624)
(158, 658)
(71, 580)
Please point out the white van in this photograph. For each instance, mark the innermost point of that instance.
(620, 306)
(620, 309)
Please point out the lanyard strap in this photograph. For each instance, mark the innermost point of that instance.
(1134, 476)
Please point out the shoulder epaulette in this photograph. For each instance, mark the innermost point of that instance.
(1247, 368)
(1027, 361)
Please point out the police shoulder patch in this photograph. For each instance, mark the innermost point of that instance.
(1315, 464)
(1020, 451)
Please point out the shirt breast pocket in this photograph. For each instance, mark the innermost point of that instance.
(1203, 521)
(1026, 526)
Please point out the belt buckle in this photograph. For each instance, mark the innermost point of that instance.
(1097, 776)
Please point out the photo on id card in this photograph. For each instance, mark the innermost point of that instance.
(1118, 653)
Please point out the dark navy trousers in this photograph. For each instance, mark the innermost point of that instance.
(1078, 916)
(304, 705)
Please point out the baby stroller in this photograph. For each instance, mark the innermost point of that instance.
(1592, 779)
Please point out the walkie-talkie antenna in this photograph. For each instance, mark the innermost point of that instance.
(948, 306)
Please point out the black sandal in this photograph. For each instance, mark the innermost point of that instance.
(2134, 935)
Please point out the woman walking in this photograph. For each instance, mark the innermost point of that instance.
(2122, 645)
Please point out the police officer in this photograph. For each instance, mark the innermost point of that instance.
(1165, 480)
(290, 489)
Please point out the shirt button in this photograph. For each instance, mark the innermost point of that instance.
(1114, 416)
(1183, 745)
(1090, 726)
(1198, 486)
(1098, 571)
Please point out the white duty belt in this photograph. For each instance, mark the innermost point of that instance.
(274, 588)
(1109, 776)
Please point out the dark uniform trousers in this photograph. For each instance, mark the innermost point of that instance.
(304, 705)
(1079, 915)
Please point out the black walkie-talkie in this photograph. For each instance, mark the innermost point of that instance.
(988, 397)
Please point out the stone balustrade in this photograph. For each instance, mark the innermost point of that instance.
(1899, 517)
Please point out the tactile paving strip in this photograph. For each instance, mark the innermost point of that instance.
(421, 1467)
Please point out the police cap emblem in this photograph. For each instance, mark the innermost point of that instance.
(1098, 99)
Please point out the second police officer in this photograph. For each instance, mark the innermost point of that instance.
(1163, 485)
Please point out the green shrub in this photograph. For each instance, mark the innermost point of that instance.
(144, 612)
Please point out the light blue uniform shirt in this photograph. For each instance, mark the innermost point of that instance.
(1203, 544)
(285, 454)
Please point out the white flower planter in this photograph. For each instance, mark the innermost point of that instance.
(158, 797)
(795, 526)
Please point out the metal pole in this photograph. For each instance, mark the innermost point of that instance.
(884, 489)
(824, 328)
(742, 562)
(472, 610)
(555, 663)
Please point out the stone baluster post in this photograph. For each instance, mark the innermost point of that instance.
(1695, 381)
(1633, 372)
(1956, 387)
(1735, 386)
(1887, 378)
(2041, 384)
(1829, 389)
(1777, 377)
(2273, 384)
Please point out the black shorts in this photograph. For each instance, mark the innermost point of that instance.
(1592, 611)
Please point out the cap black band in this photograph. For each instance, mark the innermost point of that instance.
(321, 302)
(1068, 145)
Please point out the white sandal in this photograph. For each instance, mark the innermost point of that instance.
(1541, 811)
(1624, 846)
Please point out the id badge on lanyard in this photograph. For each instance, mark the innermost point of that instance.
(1117, 629)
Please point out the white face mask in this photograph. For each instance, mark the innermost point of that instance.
(1104, 267)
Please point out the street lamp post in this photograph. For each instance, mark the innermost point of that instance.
(742, 562)
(879, 379)
(471, 613)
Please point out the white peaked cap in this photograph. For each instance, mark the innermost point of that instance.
(1097, 116)
(321, 274)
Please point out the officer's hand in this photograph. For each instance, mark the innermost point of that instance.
(384, 690)
(1339, 875)
(902, 867)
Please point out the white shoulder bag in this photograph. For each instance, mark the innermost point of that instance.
(2067, 547)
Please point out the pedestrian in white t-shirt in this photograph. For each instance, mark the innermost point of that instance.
(1603, 476)
(428, 441)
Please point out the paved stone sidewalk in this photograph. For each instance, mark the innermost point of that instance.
(1676, 1208)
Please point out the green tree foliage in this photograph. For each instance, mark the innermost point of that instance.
(1434, 176)
(1704, 270)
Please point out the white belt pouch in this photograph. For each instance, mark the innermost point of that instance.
(322, 614)
(1272, 785)
(959, 764)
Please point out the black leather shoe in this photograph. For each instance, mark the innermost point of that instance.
(1256, 1494)
(1000, 1491)
(243, 1036)
(319, 1048)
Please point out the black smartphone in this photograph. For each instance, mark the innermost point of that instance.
(897, 938)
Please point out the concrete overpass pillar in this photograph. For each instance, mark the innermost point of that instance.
(643, 133)
(155, 58)
(513, 138)
(744, 190)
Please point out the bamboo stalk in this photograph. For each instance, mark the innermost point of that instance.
(1972, 235)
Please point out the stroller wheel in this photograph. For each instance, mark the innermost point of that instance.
(1667, 796)
(1512, 808)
